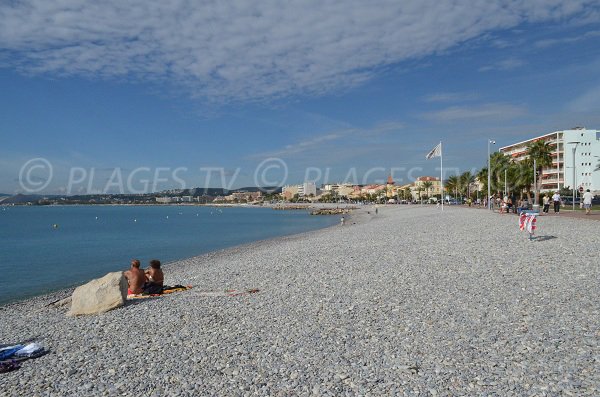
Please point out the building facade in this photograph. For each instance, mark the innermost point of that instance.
(289, 191)
(417, 188)
(307, 189)
(575, 156)
(304, 190)
(341, 189)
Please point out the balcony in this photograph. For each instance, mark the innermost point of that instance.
(552, 181)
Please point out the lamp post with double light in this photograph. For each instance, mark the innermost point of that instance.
(574, 170)
(490, 141)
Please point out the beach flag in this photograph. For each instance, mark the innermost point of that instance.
(531, 220)
(435, 152)
(528, 222)
(522, 218)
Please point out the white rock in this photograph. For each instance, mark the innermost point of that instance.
(99, 295)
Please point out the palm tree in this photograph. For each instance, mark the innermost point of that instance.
(419, 190)
(407, 193)
(453, 183)
(498, 162)
(466, 180)
(521, 177)
(427, 185)
(482, 178)
(541, 152)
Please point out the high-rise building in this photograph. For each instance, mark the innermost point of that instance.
(307, 189)
(584, 143)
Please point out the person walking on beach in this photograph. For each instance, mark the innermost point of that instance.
(587, 201)
(155, 277)
(556, 201)
(135, 278)
(343, 220)
(546, 201)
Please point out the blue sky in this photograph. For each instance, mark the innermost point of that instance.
(343, 87)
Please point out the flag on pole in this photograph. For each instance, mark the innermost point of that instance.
(435, 152)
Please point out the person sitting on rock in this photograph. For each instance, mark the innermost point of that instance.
(135, 278)
(155, 277)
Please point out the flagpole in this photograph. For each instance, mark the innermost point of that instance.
(442, 173)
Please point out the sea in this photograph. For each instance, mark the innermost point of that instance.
(48, 248)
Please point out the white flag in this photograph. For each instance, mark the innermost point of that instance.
(435, 152)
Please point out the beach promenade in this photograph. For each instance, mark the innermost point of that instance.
(411, 301)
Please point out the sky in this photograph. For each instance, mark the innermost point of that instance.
(134, 96)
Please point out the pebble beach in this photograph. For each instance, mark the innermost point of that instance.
(411, 301)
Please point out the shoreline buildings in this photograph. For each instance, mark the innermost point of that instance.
(418, 190)
(306, 189)
(573, 151)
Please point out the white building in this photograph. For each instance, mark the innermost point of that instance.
(341, 189)
(586, 146)
(164, 200)
(306, 189)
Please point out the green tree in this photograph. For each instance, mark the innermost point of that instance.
(453, 185)
(419, 190)
(482, 178)
(498, 163)
(427, 185)
(522, 177)
(466, 179)
(541, 152)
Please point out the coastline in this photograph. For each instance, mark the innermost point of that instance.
(49, 297)
(62, 293)
(385, 306)
(44, 299)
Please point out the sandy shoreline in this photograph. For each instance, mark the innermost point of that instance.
(410, 301)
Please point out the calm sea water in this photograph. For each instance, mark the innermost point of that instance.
(90, 241)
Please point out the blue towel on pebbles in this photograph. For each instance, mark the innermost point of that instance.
(32, 350)
(8, 352)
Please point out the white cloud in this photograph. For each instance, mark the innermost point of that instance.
(451, 97)
(320, 143)
(244, 50)
(505, 64)
(589, 101)
(567, 40)
(486, 112)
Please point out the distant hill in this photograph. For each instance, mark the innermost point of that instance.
(208, 192)
(23, 198)
(269, 189)
(217, 191)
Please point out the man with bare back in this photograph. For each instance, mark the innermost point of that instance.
(136, 278)
(155, 277)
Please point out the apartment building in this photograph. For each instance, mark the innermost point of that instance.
(307, 189)
(575, 157)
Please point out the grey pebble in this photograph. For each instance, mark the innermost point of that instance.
(412, 302)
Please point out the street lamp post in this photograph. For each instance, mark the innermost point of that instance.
(574, 170)
(489, 174)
